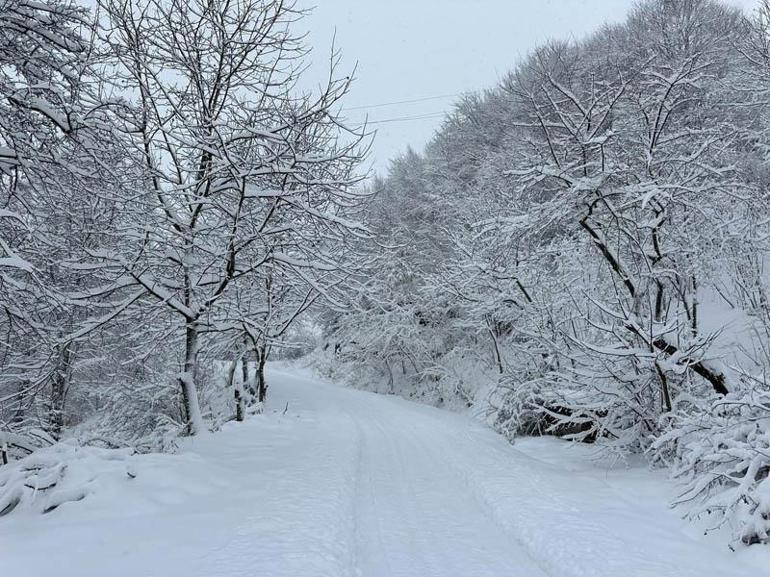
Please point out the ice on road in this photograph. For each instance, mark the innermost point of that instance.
(341, 483)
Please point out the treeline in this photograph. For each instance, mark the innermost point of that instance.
(169, 198)
(582, 251)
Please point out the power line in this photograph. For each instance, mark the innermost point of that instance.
(411, 101)
(408, 118)
(426, 116)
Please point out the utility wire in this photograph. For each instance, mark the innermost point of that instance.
(411, 101)
(426, 116)
(408, 118)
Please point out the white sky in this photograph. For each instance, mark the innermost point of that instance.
(412, 49)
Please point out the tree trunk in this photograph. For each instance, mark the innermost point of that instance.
(237, 389)
(238, 403)
(190, 403)
(59, 386)
(18, 414)
(261, 384)
(496, 356)
(245, 370)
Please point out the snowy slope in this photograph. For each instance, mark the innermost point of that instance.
(351, 484)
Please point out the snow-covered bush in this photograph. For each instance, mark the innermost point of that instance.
(16, 445)
(722, 457)
(147, 416)
(62, 473)
(533, 408)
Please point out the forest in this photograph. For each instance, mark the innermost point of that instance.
(580, 251)
(584, 247)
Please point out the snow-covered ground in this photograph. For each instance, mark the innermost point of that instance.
(342, 483)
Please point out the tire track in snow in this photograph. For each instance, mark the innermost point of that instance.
(414, 515)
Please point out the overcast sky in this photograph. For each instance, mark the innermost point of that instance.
(438, 49)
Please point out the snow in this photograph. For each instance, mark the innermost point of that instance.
(339, 482)
(197, 424)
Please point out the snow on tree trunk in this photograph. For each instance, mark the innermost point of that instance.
(247, 387)
(237, 387)
(186, 379)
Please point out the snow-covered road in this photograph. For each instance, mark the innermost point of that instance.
(351, 484)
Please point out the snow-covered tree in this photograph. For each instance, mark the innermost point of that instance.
(59, 183)
(241, 171)
(594, 265)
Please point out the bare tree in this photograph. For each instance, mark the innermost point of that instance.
(234, 157)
